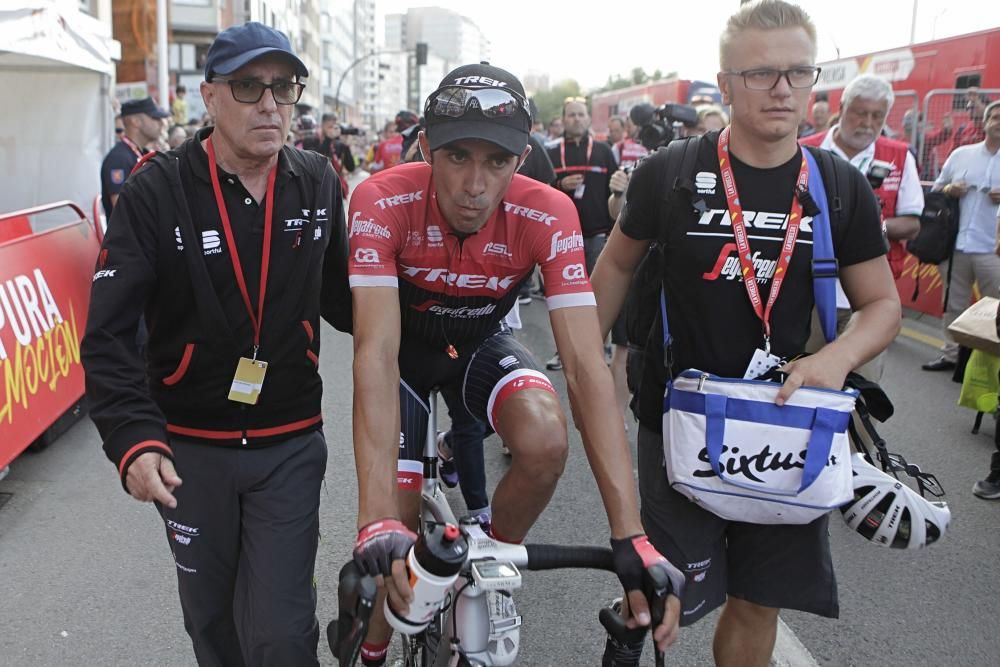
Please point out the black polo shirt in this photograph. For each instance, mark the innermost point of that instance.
(593, 206)
(246, 217)
(117, 165)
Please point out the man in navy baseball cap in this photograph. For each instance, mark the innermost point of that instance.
(236, 46)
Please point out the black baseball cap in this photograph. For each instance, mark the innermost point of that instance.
(508, 132)
(146, 106)
(236, 46)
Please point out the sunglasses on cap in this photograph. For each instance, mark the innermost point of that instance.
(455, 101)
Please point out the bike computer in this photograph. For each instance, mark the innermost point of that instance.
(496, 575)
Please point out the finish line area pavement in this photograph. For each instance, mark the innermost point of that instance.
(86, 576)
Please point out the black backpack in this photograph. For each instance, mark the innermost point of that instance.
(938, 229)
(642, 307)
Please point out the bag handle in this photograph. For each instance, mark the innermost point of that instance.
(817, 451)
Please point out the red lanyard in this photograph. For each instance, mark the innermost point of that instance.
(231, 242)
(562, 151)
(743, 243)
(132, 145)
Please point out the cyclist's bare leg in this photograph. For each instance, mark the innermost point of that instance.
(379, 631)
(532, 425)
(745, 634)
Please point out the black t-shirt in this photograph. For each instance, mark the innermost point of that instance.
(713, 325)
(593, 206)
(117, 165)
(538, 166)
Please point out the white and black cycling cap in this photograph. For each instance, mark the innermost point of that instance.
(238, 45)
(479, 101)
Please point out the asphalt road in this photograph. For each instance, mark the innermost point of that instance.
(86, 577)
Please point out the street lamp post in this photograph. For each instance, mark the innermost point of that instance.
(421, 52)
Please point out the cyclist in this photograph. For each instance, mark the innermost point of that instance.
(438, 249)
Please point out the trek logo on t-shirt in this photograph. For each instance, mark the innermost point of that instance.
(719, 217)
(530, 213)
(728, 266)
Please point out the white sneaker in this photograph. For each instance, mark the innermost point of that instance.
(505, 628)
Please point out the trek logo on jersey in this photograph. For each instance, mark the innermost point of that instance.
(319, 212)
(480, 80)
(530, 213)
(366, 256)
(705, 182)
(719, 217)
(574, 272)
(461, 280)
(434, 236)
(728, 266)
(295, 224)
(497, 249)
(211, 242)
(461, 312)
(367, 227)
(562, 244)
(408, 198)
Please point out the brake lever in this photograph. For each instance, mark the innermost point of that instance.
(656, 585)
(355, 603)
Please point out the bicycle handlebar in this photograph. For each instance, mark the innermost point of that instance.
(558, 557)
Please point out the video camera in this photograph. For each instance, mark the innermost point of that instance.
(656, 124)
(348, 130)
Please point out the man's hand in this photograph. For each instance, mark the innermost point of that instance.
(956, 190)
(633, 556)
(152, 477)
(619, 182)
(381, 550)
(571, 182)
(823, 369)
(994, 195)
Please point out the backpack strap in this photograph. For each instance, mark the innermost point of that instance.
(682, 155)
(824, 264)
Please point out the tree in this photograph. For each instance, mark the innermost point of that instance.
(639, 76)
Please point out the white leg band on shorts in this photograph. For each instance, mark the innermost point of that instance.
(513, 382)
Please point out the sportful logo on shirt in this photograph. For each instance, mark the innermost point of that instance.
(705, 182)
(211, 242)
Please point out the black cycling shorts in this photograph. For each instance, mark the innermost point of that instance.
(484, 377)
(779, 566)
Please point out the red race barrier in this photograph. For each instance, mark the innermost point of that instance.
(44, 294)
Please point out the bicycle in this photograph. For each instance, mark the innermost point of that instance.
(463, 623)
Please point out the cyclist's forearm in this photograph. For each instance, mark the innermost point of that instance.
(376, 435)
(591, 394)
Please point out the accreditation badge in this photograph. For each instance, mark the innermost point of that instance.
(248, 381)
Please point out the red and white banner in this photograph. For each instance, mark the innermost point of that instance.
(44, 294)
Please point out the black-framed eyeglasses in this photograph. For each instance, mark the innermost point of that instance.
(455, 101)
(767, 79)
(926, 482)
(249, 91)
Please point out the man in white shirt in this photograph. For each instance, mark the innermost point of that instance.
(971, 174)
(889, 166)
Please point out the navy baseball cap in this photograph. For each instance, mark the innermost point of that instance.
(146, 106)
(452, 115)
(236, 46)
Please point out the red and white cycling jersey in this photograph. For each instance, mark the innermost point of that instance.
(454, 290)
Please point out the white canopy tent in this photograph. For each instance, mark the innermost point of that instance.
(56, 67)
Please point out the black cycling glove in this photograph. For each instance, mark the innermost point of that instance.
(634, 555)
(381, 542)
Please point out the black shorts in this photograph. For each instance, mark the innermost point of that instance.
(484, 377)
(785, 567)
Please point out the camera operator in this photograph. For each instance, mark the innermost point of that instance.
(333, 147)
(891, 171)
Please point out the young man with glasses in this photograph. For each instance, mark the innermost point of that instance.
(438, 249)
(767, 51)
(232, 246)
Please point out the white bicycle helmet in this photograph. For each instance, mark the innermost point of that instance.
(891, 514)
